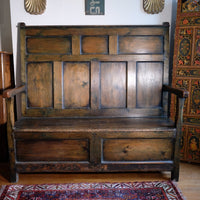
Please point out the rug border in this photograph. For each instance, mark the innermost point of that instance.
(178, 190)
(148, 184)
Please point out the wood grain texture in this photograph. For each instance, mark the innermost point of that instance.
(76, 82)
(149, 83)
(137, 150)
(44, 150)
(113, 84)
(115, 81)
(142, 127)
(49, 45)
(140, 45)
(100, 47)
(40, 84)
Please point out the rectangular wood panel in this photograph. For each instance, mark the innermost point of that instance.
(141, 45)
(52, 150)
(76, 84)
(149, 84)
(40, 85)
(94, 45)
(137, 149)
(49, 45)
(113, 84)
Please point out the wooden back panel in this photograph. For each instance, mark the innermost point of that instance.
(85, 71)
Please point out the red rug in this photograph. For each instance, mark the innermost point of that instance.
(162, 190)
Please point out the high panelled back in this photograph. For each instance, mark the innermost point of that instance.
(91, 71)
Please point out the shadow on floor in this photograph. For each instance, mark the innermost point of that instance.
(4, 171)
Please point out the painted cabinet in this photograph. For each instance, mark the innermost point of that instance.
(186, 74)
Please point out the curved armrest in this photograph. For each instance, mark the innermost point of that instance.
(12, 92)
(179, 92)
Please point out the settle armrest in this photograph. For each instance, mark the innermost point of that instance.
(179, 92)
(12, 92)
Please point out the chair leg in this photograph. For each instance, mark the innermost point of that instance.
(13, 171)
(14, 176)
(175, 174)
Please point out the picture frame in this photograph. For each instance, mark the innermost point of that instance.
(94, 7)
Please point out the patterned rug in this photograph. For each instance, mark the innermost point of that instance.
(162, 190)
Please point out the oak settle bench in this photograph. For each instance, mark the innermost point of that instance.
(94, 99)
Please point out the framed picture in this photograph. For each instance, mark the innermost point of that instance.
(94, 7)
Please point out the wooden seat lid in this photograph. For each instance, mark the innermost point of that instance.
(93, 124)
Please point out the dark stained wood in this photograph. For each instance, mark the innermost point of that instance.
(76, 83)
(39, 85)
(179, 92)
(76, 45)
(95, 102)
(142, 127)
(113, 84)
(57, 82)
(113, 44)
(149, 83)
(141, 45)
(137, 150)
(131, 85)
(50, 45)
(100, 47)
(12, 92)
(11, 142)
(95, 85)
(44, 150)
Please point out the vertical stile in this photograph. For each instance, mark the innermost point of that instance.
(23, 64)
(76, 45)
(113, 44)
(57, 71)
(95, 84)
(131, 85)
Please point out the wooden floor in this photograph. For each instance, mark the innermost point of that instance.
(189, 182)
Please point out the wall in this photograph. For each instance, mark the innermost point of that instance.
(72, 12)
(5, 26)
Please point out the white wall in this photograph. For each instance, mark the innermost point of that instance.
(72, 12)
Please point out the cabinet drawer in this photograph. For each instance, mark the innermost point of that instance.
(53, 150)
(137, 149)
